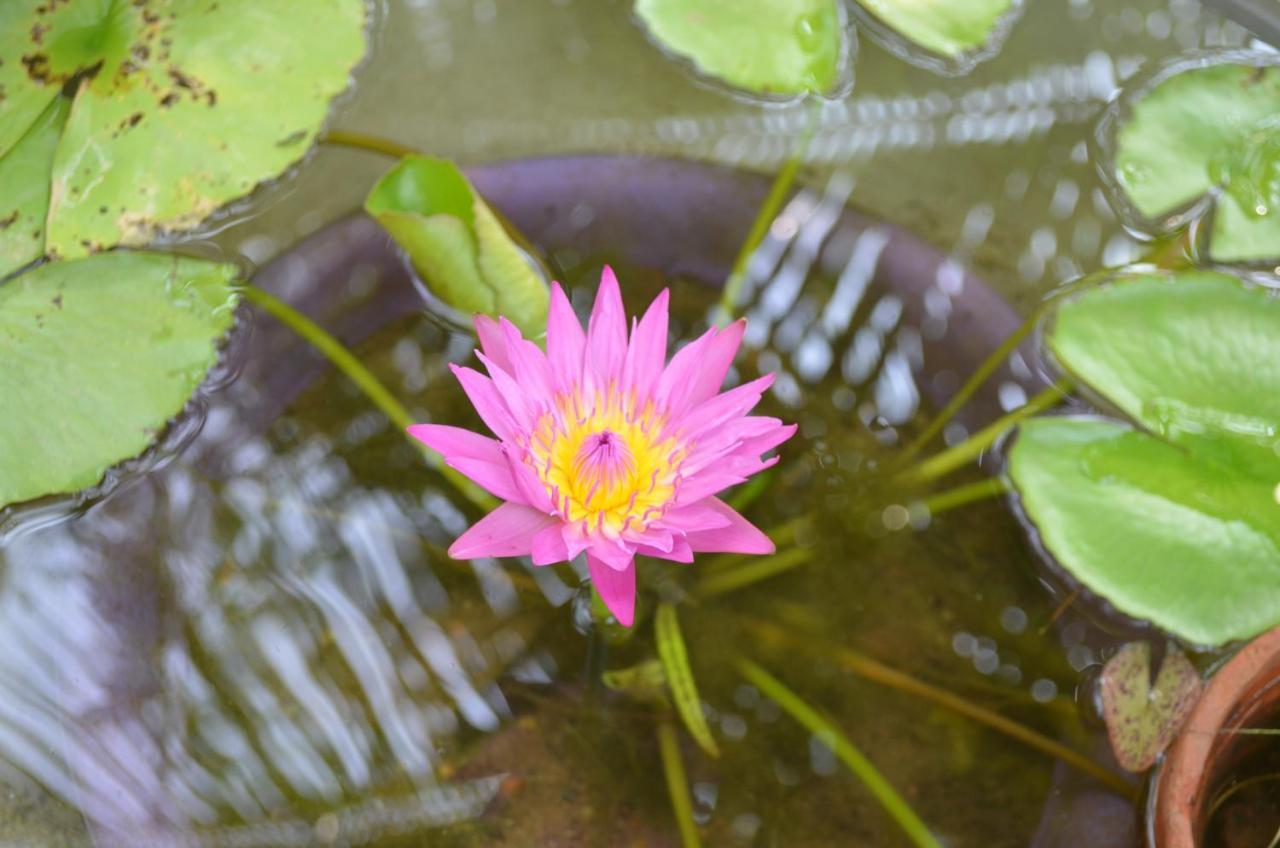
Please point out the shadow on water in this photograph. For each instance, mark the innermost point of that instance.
(263, 643)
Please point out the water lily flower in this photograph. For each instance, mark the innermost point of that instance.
(604, 447)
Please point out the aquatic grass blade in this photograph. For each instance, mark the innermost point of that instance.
(813, 721)
(677, 784)
(684, 691)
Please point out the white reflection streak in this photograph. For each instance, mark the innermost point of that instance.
(284, 656)
(854, 280)
(369, 661)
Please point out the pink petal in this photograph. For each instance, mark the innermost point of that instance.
(715, 413)
(485, 398)
(528, 363)
(494, 478)
(739, 537)
(527, 483)
(520, 403)
(548, 546)
(681, 371)
(615, 554)
(648, 348)
(606, 332)
(480, 458)
(492, 341)
(705, 484)
(575, 538)
(617, 588)
(699, 515)
(507, 531)
(565, 339)
(716, 360)
(680, 551)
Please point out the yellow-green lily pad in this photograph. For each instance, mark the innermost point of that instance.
(97, 355)
(179, 106)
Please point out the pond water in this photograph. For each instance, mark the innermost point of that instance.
(258, 639)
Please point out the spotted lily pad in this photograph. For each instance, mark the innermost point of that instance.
(1143, 715)
(24, 187)
(777, 47)
(1201, 134)
(955, 31)
(180, 106)
(456, 243)
(1175, 520)
(96, 356)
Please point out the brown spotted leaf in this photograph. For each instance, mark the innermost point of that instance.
(1143, 717)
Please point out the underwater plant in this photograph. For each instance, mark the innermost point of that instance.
(602, 449)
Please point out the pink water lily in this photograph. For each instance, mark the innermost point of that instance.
(605, 447)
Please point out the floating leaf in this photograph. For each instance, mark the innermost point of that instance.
(96, 356)
(947, 28)
(765, 46)
(1177, 523)
(1143, 717)
(456, 244)
(24, 188)
(1208, 130)
(675, 661)
(180, 107)
(646, 682)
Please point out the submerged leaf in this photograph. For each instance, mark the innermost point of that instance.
(947, 28)
(1209, 129)
(1176, 523)
(96, 356)
(765, 46)
(179, 107)
(675, 661)
(645, 682)
(1143, 716)
(456, 244)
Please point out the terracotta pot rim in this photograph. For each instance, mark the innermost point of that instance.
(1246, 684)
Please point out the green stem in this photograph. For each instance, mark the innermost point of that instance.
(369, 143)
(762, 568)
(959, 455)
(865, 771)
(677, 784)
(995, 360)
(348, 364)
(878, 672)
(760, 226)
(964, 495)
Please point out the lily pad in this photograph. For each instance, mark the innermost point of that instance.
(950, 29)
(456, 243)
(24, 188)
(96, 356)
(1176, 523)
(1206, 133)
(1143, 715)
(179, 106)
(777, 47)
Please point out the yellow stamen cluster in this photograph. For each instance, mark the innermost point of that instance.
(606, 459)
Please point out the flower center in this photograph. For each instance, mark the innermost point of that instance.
(605, 461)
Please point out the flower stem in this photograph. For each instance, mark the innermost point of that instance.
(878, 672)
(369, 143)
(760, 226)
(964, 495)
(863, 768)
(959, 455)
(348, 364)
(677, 784)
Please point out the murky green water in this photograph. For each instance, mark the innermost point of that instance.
(262, 642)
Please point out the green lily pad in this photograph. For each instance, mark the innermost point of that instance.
(180, 106)
(1178, 522)
(96, 356)
(24, 188)
(1210, 130)
(456, 243)
(1143, 715)
(950, 29)
(1194, 358)
(765, 46)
